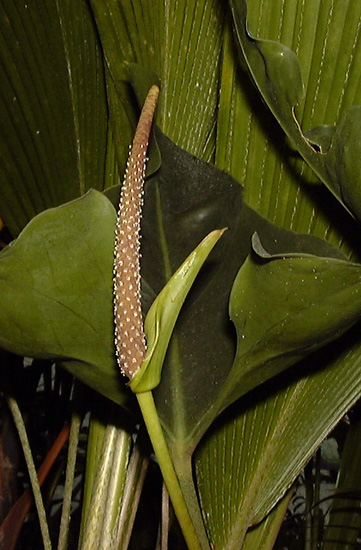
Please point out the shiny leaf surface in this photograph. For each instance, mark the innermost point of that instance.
(285, 307)
(56, 288)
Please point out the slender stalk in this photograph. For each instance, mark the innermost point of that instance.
(96, 434)
(163, 531)
(115, 492)
(69, 480)
(136, 471)
(20, 426)
(164, 519)
(155, 431)
(97, 508)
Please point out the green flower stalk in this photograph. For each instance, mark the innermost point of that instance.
(130, 338)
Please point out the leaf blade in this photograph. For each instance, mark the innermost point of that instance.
(50, 309)
(53, 131)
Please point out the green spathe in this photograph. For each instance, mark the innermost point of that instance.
(163, 313)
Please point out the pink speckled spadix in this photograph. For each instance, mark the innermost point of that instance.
(130, 340)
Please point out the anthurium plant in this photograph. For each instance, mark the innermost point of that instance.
(217, 313)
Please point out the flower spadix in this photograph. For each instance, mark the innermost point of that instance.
(129, 331)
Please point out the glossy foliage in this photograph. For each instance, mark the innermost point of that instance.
(260, 304)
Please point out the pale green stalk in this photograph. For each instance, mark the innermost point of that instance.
(20, 426)
(136, 471)
(155, 431)
(164, 526)
(94, 449)
(93, 526)
(115, 492)
(99, 531)
(69, 481)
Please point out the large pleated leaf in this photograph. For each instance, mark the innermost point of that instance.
(53, 109)
(181, 42)
(271, 436)
(251, 146)
(325, 37)
(330, 151)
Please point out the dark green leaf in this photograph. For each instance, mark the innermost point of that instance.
(169, 39)
(277, 73)
(56, 292)
(265, 439)
(285, 307)
(184, 201)
(53, 109)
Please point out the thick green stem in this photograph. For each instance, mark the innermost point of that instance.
(150, 415)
